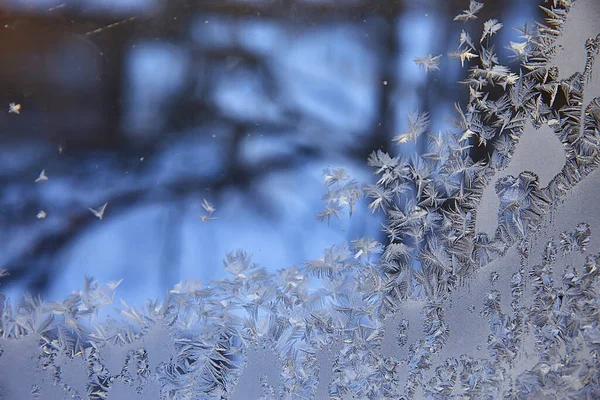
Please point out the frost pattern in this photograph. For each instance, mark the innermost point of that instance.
(199, 341)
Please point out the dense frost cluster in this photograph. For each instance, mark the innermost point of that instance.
(325, 327)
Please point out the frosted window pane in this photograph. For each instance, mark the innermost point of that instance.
(483, 281)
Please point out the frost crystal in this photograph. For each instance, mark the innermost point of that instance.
(429, 63)
(341, 191)
(417, 125)
(99, 212)
(14, 108)
(474, 8)
(42, 177)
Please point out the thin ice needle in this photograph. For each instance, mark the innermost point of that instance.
(42, 177)
(99, 212)
(210, 209)
(208, 206)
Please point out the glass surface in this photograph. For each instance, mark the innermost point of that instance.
(321, 199)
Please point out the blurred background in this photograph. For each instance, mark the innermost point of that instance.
(153, 105)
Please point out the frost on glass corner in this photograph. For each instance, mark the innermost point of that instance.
(487, 286)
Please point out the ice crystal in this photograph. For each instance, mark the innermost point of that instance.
(14, 108)
(490, 27)
(474, 8)
(417, 125)
(42, 177)
(209, 208)
(341, 191)
(429, 63)
(99, 212)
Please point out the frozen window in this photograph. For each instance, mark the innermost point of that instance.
(300, 200)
